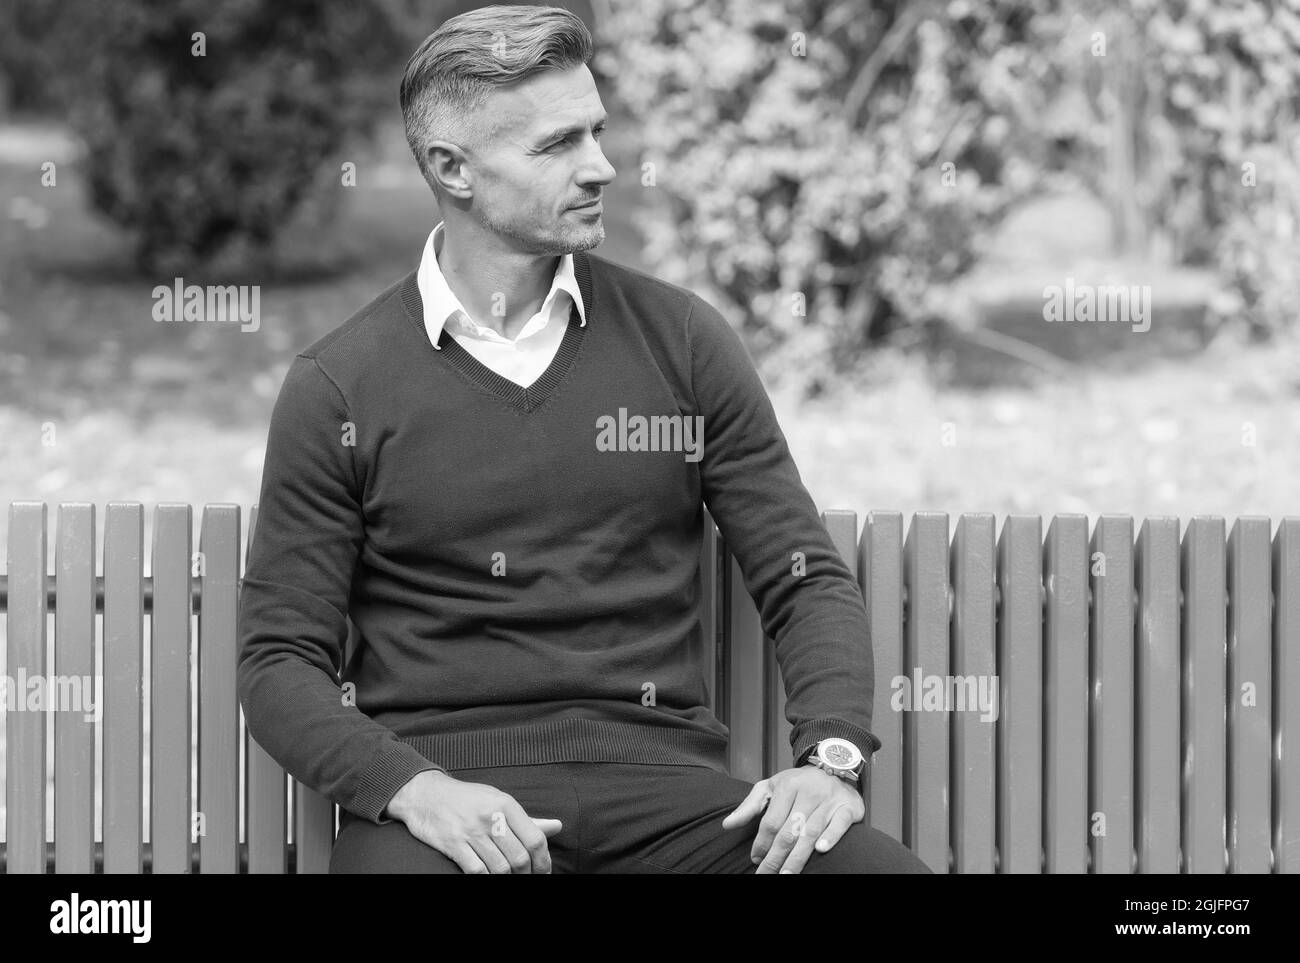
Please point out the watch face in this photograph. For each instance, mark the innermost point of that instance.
(839, 753)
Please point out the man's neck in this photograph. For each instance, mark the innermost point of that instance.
(499, 289)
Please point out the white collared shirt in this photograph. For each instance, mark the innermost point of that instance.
(521, 360)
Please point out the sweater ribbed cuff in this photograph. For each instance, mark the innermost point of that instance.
(392, 769)
(807, 735)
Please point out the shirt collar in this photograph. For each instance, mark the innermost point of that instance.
(440, 303)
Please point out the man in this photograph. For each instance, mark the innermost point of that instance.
(463, 468)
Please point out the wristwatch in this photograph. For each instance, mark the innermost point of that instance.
(839, 757)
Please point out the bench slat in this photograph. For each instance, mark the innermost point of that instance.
(1204, 677)
(925, 734)
(880, 576)
(267, 789)
(1158, 703)
(25, 653)
(74, 661)
(974, 568)
(1286, 682)
(1111, 730)
(219, 782)
(1065, 699)
(746, 676)
(314, 830)
(123, 731)
(1250, 696)
(776, 729)
(171, 730)
(709, 622)
(1020, 670)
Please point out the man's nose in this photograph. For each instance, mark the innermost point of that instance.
(598, 169)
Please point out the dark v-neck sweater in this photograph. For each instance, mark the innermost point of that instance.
(522, 563)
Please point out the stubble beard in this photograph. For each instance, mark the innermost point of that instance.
(569, 238)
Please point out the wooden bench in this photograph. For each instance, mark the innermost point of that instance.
(1142, 721)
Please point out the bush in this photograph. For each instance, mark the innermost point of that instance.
(865, 175)
(31, 32)
(860, 176)
(1220, 140)
(201, 154)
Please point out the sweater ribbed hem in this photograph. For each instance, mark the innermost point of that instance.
(573, 740)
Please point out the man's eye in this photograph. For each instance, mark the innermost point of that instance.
(596, 132)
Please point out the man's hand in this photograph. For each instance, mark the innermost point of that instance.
(481, 828)
(806, 806)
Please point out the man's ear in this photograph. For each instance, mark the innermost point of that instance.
(449, 167)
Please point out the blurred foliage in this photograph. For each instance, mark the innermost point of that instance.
(823, 174)
(1216, 132)
(861, 174)
(204, 158)
(30, 32)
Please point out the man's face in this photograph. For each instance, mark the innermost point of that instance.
(541, 160)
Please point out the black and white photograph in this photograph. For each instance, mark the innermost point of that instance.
(676, 437)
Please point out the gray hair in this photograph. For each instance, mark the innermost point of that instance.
(452, 72)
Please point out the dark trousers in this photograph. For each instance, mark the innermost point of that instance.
(620, 818)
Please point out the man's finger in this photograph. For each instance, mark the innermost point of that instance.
(519, 859)
(840, 822)
(531, 837)
(750, 806)
(548, 826)
(790, 832)
(468, 860)
(806, 835)
(778, 811)
(486, 848)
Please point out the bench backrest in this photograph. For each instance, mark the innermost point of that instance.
(1140, 720)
